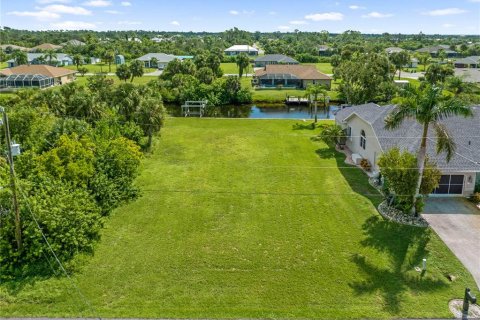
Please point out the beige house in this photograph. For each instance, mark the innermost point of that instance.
(59, 75)
(368, 139)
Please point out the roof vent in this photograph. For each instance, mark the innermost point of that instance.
(469, 143)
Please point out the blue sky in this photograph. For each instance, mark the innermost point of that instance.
(407, 16)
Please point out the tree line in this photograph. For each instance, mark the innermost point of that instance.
(81, 151)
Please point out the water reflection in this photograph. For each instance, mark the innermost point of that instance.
(262, 112)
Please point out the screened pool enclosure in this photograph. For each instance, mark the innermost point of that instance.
(26, 81)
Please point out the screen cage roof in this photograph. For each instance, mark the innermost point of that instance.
(282, 76)
(26, 80)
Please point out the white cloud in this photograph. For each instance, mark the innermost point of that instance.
(125, 4)
(73, 25)
(283, 28)
(444, 12)
(355, 7)
(40, 15)
(330, 16)
(298, 22)
(175, 23)
(98, 3)
(375, 14)
(53, 1)
(234, 12)
(272, 13)
(113, 12)
(448, 25)
(129, 23)
(60, 8)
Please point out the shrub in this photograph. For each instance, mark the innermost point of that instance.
(365, 164)
(476, 197)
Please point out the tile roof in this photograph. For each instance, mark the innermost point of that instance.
(41, 69)
(304, 72)
(13, 47)
(47, 46)
(465, 132)
(279, 58)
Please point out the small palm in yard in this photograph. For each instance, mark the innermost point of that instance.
(428, 107)
(150, 116)
(332, 134)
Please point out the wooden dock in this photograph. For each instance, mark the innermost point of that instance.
(289, 100)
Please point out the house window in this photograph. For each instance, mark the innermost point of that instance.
(363, 140)
(349, 132)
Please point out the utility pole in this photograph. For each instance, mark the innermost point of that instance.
(18, 224)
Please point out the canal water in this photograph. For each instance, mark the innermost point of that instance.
(264, 112)
(289, 112)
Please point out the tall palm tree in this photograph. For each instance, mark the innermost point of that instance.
(243, 62)
(150, 117)
(428, 107)
(315, 90)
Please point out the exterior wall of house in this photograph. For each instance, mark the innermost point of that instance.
(64, 79)
(372, 149)
(236, 53)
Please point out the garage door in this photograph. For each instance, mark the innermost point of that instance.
(450, 184)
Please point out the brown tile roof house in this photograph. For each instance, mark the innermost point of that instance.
(47, 46)
(298, 76)
(59, 75)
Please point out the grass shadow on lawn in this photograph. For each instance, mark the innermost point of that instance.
(405, 246)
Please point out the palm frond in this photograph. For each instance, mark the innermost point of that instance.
(405, 110)
(452, 107)
(444, 141)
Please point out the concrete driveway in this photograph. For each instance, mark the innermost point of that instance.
(457, 222)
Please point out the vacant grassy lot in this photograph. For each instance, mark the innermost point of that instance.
(324, 67)
(249, 218)
(231, 68)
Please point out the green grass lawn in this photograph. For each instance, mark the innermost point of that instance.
(102, 67)
(324, 67)
(249, 219)
(231, 68)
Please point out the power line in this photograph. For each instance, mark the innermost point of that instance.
(80, 293)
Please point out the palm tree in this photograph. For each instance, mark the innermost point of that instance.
(243, 62)
(19, 57)
(456, 85)
(153, 62)
(108, 57)
(150, 117)
(424, 59)
(399, 60)
(428, 107)
(50, 55)
(77, 60)
(315, 90)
